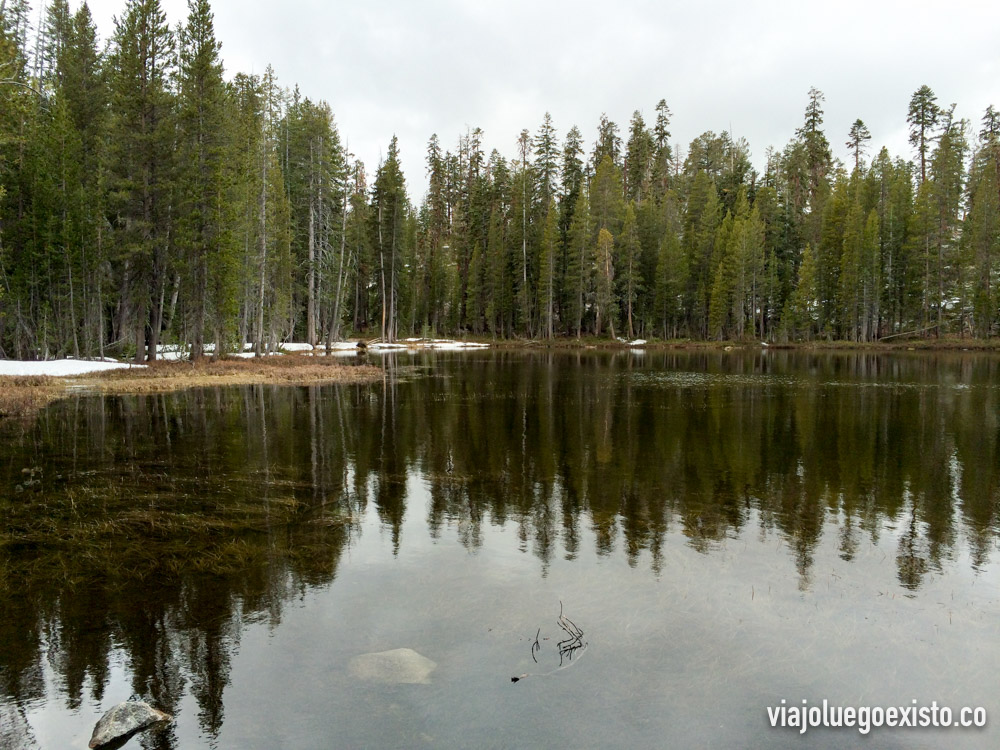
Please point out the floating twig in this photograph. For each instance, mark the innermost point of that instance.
(571, 646)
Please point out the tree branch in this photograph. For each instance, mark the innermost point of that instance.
(15, 82)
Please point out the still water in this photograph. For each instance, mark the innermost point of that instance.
(725, 531)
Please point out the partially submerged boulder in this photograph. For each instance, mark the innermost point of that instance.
(124, 720)
(400, 666)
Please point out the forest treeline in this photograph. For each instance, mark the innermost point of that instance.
(146, 199)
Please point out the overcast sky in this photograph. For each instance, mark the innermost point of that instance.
(414, 68)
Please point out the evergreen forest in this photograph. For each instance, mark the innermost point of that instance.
(148, 198)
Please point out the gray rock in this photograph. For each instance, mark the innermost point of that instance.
(125, 719)
(400, 666)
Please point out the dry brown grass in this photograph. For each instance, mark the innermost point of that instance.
(288, 369)
(22, 397)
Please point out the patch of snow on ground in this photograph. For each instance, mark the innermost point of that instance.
(251, 354)
(458, 345)
(59, 368)
(444, 344)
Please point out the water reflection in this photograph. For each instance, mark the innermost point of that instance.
(149, 530)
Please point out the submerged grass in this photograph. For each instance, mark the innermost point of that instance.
(118, 534)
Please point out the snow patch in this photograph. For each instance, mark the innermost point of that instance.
(458, 345)
(440, 344)
(252, 354)
(59, 368)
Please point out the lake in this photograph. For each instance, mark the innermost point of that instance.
(659, 545)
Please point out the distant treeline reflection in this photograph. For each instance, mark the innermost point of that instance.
(157, 525)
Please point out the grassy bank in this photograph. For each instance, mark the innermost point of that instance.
(21, 397)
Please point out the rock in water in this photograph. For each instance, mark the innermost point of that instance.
(400, 666)
(124, 719)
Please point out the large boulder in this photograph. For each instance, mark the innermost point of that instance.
(124, 720)
(400, 666)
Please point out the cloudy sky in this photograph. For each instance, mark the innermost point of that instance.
(439, 66)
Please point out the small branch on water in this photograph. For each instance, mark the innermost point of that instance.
(569, 647)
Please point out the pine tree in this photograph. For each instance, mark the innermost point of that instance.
(437, 234)
(922, 117)
(818, 162)
(604, 298)
(639, 155)
(606, 205)
(524, 198)
(829, 255)
(981, 230)
(850, 273)
(800, 316)
(359, 247)
(572, 165)
(546, 164)
(892, 185)
(871, 279)
(547, 265)
(856, 140)
(701, 222)
(203, 228)
(141, 166)
(662, 154)
(630, 281)
(56, 37)
(608, 144)
(947, 184)
(572, 177)
(671, 271)
(389, 210)
(580, 263)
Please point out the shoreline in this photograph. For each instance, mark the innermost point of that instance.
(875, 347)
(22, 396)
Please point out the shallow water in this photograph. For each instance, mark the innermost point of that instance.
(727, 530)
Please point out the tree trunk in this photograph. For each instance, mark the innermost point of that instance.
(259, 342)
(311, 273)
(334, 330)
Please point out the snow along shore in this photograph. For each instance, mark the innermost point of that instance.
(59, 368)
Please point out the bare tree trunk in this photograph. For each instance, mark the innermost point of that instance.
(381, 257)
(72, 306)
(392, 276)
(311, 273)
(334, 330)
(258, 343)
